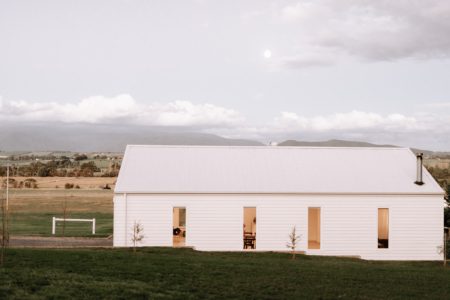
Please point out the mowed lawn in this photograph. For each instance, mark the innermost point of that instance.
(163, 273)
(31, 210)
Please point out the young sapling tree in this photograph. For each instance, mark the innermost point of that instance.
(294, 239)
(138, 235)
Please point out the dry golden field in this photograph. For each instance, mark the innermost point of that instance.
(82, 182)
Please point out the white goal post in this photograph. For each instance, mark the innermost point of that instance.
(72, 220)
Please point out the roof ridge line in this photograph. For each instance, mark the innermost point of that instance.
(266, 147)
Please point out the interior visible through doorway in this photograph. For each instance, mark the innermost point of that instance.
(314, 228)
(249, 228)
(179, 226)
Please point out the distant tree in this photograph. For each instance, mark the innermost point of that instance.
(294, 239)
(79, 157)
(25, 170)
(62, 173)
(115, 166)
(110, 174)
(34, 168)
(63, 162)
(88, 169)
(2, 171)
(44, 171)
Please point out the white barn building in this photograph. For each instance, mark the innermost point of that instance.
(343, 201)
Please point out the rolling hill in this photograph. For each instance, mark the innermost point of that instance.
(101, 138)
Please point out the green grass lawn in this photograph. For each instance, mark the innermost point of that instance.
(162, 273)
(31, 211)
(40, 223)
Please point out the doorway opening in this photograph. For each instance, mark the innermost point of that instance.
(179, 226)
(383, 228)
(314, 228)
(249, 228)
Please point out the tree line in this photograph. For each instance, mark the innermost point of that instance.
(63, 167)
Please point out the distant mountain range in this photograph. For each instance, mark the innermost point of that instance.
(330, 143)
(101, 138)
(113, 138)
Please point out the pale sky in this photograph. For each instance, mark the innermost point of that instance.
(376, 71)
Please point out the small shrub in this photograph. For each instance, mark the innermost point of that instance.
(12, 183)
(30, 183)
(68, 186)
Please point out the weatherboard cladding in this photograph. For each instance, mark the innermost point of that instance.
(348, 223)
(271, 170)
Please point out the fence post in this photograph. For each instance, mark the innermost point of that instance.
(53, 225)
(93, 226)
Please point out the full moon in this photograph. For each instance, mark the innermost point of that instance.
(267, 53)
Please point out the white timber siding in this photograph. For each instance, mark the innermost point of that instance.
(348, 222)
(119, 221)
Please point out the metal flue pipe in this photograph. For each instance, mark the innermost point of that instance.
(419, 175)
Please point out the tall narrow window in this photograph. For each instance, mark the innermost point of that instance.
(179, 226)
(383, 228)
(249, 227)
(314, 228)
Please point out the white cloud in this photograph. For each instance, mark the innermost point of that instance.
(424, 128)
(124, 109)
(436, 105)
(184, 113)
(121, 109)
(354, 120)
(372, 30)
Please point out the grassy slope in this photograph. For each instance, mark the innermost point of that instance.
(185, 274)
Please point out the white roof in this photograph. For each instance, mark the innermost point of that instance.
(271, 169)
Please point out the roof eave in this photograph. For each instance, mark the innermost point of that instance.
(283, 193)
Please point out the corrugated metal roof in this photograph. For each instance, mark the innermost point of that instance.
(270, 169)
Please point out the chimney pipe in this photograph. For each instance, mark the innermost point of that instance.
(419, 180)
